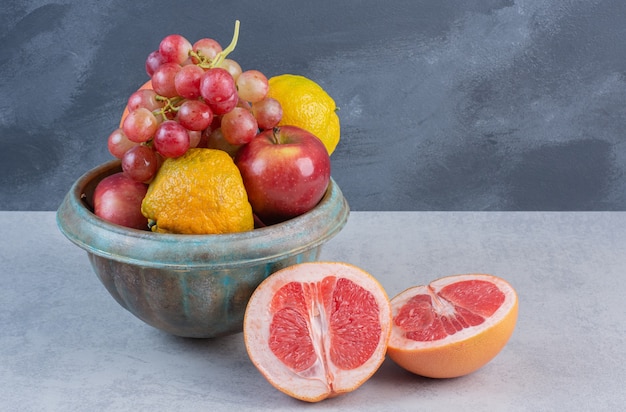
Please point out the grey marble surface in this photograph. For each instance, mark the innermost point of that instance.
(66, 345)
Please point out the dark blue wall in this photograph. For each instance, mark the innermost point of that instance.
(445, 105)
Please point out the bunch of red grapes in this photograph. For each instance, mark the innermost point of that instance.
(198, 98)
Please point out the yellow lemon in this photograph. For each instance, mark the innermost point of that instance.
(307, 105)
(200, 192)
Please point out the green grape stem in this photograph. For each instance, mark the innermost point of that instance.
(206, 63)
(172, 105)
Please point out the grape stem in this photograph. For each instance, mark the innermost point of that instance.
(171, 105)
(219, 57)
(233, 43)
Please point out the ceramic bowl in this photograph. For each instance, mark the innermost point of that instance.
(192, 285)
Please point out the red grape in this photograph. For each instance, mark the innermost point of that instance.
(140, 163)
(232, 67)
(171, 139)
(144, 98)
(153, 62)
(252, 86)
(217, 85)
(163, 79)
(207, 48)
(174, 48)
(118, 143)
(268, 112)
(195, 115)
(239, 126)
(140, 125)
(225, 106)
(187, 81)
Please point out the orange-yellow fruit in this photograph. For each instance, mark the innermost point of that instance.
(453, 326)
(317, 330)
(307, 105)
(200, 192)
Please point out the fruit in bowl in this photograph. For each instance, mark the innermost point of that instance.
(174, 226)
(285, 171)
(118, 199)
(206, 101)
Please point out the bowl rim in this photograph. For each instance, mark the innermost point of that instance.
(99, 237)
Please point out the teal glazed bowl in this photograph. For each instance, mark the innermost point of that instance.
(192, 285)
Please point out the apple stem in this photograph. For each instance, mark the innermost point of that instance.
(275, 134)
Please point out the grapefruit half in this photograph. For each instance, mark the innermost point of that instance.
(319, 329)
(453, 326)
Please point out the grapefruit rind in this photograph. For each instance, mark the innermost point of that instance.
(323, 380)
(463, 352)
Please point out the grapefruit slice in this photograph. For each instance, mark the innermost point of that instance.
(318, 329)
(453, 326)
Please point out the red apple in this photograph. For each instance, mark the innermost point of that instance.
(285, 170)
(118, 198)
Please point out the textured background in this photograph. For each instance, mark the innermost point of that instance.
(445, 105)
